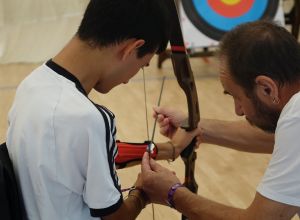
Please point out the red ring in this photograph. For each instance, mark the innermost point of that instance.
(231, 11)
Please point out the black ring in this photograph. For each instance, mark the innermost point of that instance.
(199, 22)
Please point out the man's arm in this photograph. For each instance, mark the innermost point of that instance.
(238, 135)
(197, 207)
(157, 182)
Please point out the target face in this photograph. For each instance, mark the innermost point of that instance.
(215, 17)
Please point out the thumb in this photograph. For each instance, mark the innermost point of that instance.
(159, 110)
(155, 166)
(145, 163)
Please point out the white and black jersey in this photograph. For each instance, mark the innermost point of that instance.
(63, 147)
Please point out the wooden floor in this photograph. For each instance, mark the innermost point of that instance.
(227, 176)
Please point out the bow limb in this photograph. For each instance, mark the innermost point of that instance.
(185, 78)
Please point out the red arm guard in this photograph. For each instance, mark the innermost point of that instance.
(129, 152)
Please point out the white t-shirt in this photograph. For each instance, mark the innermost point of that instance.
(281, 181)
(62, 147)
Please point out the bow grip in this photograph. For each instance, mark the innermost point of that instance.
(189, 157)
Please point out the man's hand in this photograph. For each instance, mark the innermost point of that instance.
(138, 182)
(168, 119)
(181, 139)
(156, 180)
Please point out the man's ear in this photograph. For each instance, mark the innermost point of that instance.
(267, 89)
(130, 47)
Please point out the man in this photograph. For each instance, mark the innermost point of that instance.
(62, 145)
(260, 69)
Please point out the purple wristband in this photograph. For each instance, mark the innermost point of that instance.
(171, 192)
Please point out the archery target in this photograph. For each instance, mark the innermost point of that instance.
(208, 20)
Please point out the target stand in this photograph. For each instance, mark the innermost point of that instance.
(293, 18)
(204, 22)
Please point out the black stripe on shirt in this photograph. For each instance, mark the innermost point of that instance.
(109, 129)
(109, 154)
(113, 128)
(108, 210)
(65, 73)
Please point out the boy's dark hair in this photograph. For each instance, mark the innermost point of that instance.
(109, 22)
(261, 48)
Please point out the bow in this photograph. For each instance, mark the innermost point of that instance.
(185, 78)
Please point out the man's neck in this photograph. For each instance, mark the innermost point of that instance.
(287, 92)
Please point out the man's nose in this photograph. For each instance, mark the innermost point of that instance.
(238, 109)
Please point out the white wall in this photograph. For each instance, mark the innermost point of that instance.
(35, 30)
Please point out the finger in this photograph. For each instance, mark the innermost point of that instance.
(145, 167)
(156, 167)
(198, 141)
(196, 132)
(160, 118)
(164, 122)
(161, 110)
(156, 109)
(138, 181)
(154, 115)
(156, 112)
(199, 138)
(164, 130)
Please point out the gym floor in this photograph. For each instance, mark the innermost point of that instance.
(223, 175)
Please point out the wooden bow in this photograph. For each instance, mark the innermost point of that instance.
(185, 78)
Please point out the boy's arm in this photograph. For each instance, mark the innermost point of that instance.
(130, 154)
(131, 207)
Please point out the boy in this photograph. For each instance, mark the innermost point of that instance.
(63, 145)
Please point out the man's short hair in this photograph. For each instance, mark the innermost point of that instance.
(261, 48)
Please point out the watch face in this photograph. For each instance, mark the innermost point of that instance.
(216, 17)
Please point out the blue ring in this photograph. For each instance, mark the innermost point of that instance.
(224, 23)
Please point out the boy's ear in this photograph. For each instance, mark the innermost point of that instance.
(130, 47)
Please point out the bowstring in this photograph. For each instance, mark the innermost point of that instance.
(145, 102)
(147, 124)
